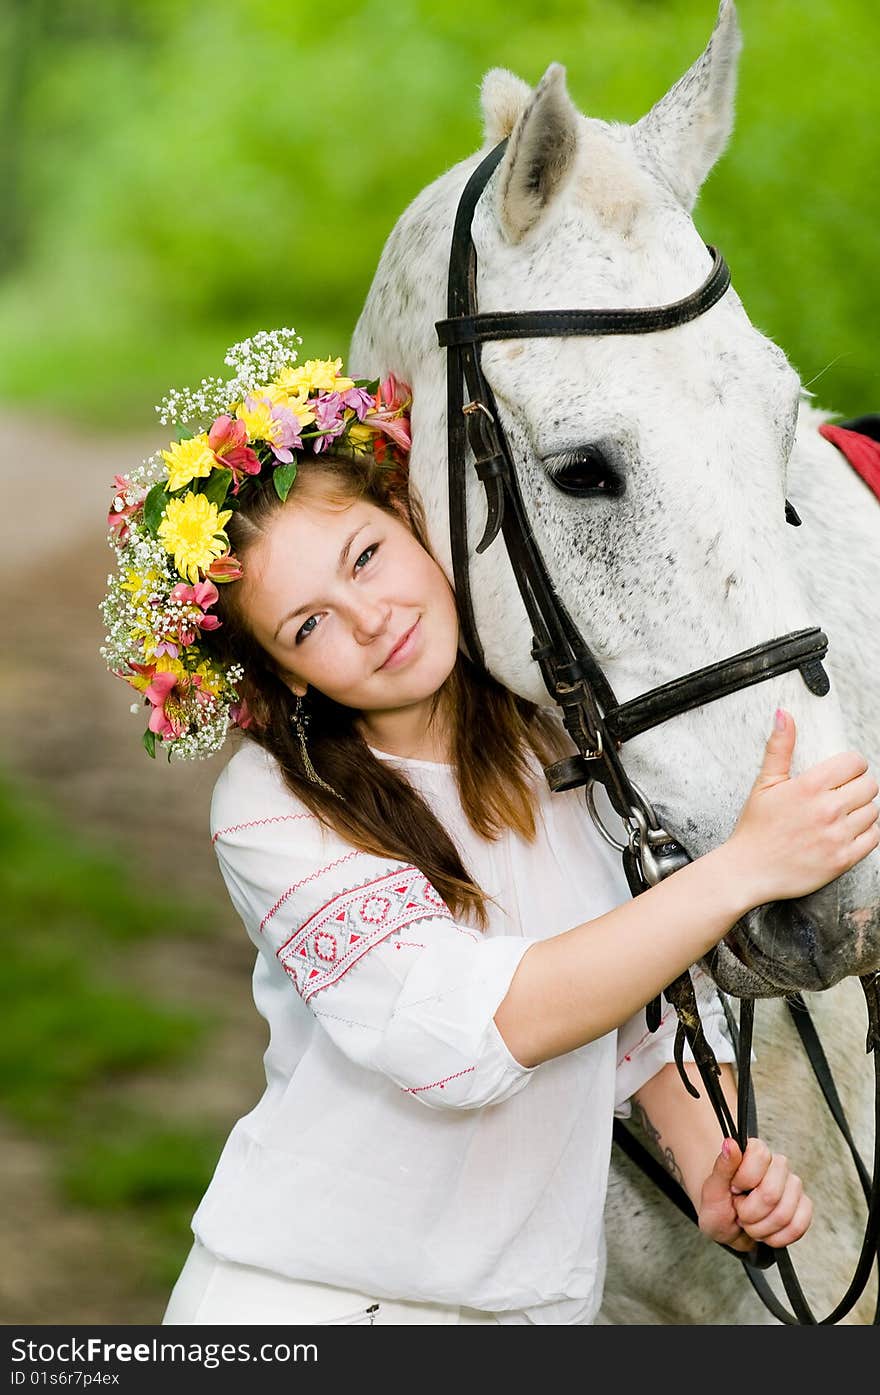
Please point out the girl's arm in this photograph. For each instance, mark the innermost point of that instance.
(683, 1131)
(739, 1199)
(793, 836)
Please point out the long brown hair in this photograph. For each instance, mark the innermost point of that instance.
(495, 733)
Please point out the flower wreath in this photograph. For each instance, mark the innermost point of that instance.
(167, 519)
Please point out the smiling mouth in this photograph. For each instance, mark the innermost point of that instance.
(401, 644)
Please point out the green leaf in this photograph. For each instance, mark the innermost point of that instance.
(149, 742)
(283, 479)
(371, 386)
(154, 508)
(216, 486)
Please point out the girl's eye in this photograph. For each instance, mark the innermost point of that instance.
(366, 554)
(306, 629)
(312, 623)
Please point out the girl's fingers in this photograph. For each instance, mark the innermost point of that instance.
(858, 793)
(773, 1217)
(799, 1223)
(834, 771)
(751, 1171)
(861, 819)
(862, 845)
(766, 1195)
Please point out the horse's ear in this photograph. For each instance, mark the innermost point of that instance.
(503, 98)
(539, 156)
(686, 131)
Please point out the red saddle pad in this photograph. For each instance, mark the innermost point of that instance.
(862, 452)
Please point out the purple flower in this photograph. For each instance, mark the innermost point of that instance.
(287, 436)
(360, 401)
(329, 409)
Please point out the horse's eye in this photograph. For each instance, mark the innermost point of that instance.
(584, 473)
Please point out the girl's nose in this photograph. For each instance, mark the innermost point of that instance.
(370, 620)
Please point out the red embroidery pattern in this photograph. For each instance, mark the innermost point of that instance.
(438, 1084)
(310, 878)
(643, 1038)
(340, 932)
(258, 823)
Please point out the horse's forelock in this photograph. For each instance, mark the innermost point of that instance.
(612, 183)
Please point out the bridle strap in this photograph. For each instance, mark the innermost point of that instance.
(762, 1257)
(457, 302)
(869, 1254)
(802, 649)
(544, 324)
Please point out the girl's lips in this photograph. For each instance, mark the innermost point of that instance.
(403, 649)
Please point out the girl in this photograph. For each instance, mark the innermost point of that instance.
(449, 961)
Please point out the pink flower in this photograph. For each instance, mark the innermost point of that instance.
(394, 394)
(225, 568)
(199, 598)
(167, 692)
(228, 440)
(166, 718)
(120, 511)
(203, 594)
(390, 416)
(241, 715)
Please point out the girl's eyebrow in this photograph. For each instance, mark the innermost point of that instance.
(343, 559)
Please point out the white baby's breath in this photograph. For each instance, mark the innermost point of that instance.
(256, 361)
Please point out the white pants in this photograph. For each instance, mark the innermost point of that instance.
(211, 1291)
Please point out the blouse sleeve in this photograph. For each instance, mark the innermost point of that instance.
(641, 1054)
(369, 946)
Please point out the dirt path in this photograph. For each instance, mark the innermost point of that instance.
(67, 732)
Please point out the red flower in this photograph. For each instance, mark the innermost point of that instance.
(228, 440)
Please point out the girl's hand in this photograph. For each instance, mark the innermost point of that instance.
(796, 834)
(753, 1196)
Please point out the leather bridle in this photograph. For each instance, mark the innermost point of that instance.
(597, 723)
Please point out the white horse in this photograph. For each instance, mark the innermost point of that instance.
(691, 563)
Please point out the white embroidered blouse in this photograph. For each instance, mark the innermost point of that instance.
(399, 1148)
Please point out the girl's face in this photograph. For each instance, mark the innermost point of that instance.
(345, 599)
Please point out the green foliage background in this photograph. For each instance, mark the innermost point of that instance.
(182, 174)
(177, 174)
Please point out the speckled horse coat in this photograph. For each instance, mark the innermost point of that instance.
(709, 429)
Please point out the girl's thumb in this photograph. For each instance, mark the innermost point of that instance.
(776, 764)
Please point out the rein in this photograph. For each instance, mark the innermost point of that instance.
(597, 723)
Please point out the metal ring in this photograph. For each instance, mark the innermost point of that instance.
(600, 827)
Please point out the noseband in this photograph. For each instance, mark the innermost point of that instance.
(597, 723)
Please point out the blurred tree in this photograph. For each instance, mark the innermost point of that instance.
(19, 34)
(192, 172)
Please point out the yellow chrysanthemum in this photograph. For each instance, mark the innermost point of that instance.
(258, 420)
(192, 530)
(188, 460)
(316, 375)
(298, 404)
(275, 393)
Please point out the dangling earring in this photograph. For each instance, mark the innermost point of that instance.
(300, 719)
